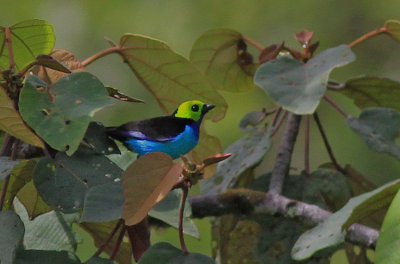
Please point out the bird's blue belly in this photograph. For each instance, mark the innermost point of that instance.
(180, 145)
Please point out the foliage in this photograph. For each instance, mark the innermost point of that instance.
(77, 175)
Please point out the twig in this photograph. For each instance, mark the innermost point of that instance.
(336, 106)
(282, 162)
(307, 146)
(118, 243)
(327, 145)
(100, 54)
(185, 191)
(253, 43)
(110, 237)
(247, 202)
(368, 36)
(279, 123)
(276, 115)
(9, 47)
(7, 142)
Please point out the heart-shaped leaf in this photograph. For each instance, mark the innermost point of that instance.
(146, 182)
(246, 153)
(221, 54)
(329, 232)
(393, 29)
(12, 123)
(299, 87)
(31, 200)
(60, 114)
(170, 77)
(29, 39)
(379, 127)
(165, 253)
(97, 139)
(373, 92)
(64, 181)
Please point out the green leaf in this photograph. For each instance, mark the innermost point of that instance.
(20, 175)
(393, 29)
(168, 211)
(46, 257)
(379, 128)
(299, 87)
(114, 93)
(60, 114)
(389, 239)
(165, 253)
(29, 39)
(221, 55)
(329, 232)
(32, 201)
(103, 203)
(170, 77)
(98, 260)
(373, 92)
(252, 119)
(64, 181)
(11, 235)
(100, 233)
(124, 159)
(6, 166)
(12, 123)
(96, 138)
(247, 152)
(49, 231)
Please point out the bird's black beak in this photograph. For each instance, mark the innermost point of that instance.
(207, 107)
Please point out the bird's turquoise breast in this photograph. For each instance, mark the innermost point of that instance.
(180, 145)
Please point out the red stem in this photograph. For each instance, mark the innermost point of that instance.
(278, 125)
(110, 237)
(100, 55)
(252, 42)
(9, 48)
(118, 243)
(336, 106)
(368, 36)
(307, 146)
(185, 191)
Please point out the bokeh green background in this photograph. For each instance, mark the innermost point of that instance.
(81, 26)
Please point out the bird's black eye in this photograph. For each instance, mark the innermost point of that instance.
(195, 108)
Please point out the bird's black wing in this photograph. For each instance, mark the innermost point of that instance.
(163, 128)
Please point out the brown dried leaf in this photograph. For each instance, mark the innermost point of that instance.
(146, 182)
(216, 158)
(63, 56)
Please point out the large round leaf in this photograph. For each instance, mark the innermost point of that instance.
(221, 55)
(60, 114)
(299, 87)
(29, 39)
(170, 77)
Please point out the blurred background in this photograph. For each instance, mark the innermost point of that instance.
(81, 26)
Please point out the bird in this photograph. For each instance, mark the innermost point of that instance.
(175, 135)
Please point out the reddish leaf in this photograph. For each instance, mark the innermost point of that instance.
(146, 182)
(216, 158)
(270, 52)
(304, 36)
(139, 235)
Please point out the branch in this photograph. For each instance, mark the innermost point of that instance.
(244, 201)
(282, 162)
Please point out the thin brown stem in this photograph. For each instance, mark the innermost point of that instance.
(336, 106)
(279, 124)
(108, 240)
(100, 54)
(368, 36)
(307, 146)
(276, 115)
(327, 145)
(26, 68)
(9, 48)
(118, 243)
(6, 144)
(185, 190)
(253, 43)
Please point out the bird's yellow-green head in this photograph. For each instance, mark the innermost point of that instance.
(193, 110)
